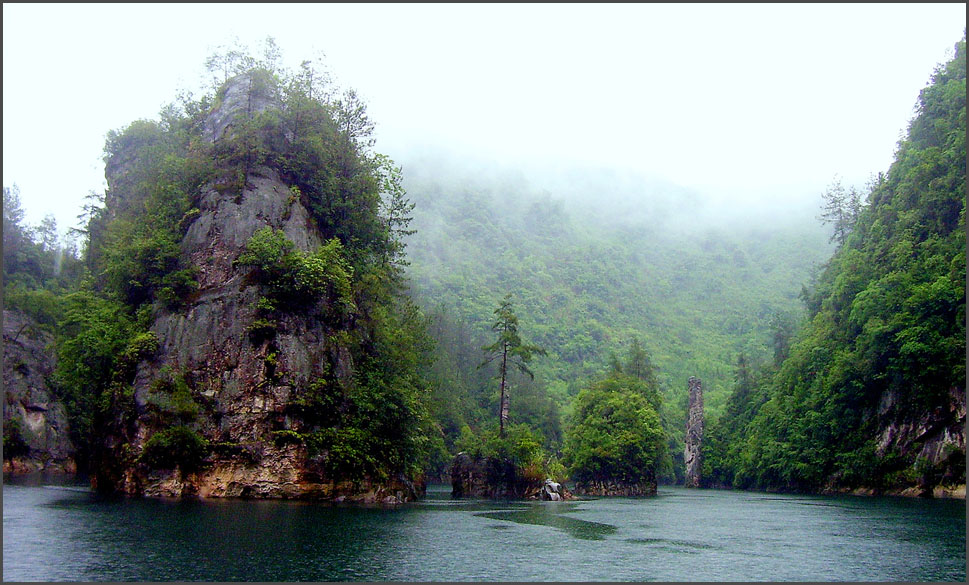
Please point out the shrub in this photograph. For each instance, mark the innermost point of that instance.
(286, 437)
(172, 398)
(177, 446)
(14, 444)
(295, 279)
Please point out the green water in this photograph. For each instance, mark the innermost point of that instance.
(64, 532)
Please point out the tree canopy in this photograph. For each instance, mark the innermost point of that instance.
(617, 434)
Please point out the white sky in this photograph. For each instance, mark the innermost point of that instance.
(743, 100)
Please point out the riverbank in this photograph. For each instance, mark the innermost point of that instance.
(955, 492)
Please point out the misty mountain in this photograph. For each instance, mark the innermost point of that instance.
(595, 258)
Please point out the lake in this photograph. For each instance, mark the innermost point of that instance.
(56, 529)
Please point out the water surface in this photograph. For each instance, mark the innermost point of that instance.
(64, 532)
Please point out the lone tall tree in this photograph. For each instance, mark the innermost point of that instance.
(841, 209)
(509, 348)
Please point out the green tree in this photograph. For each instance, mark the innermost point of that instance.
(617, 434)
(509, 347)
(884, 343)
(639, 365)
(395, 208)
(840, 208)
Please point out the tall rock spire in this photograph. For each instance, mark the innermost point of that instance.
(694, 433)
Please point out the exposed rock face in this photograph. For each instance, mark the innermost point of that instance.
(616, 488)
(245, 95)
(553, 491)
(243, 385)
(498, 480)
(694, 433)
(937, 439)
(279, 474)
(32, 417)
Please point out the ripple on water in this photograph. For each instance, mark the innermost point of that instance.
(674, 543)
(55, 534)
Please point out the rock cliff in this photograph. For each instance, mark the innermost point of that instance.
(237, 387)
(491, 478)
(936, 439)
(616, 488)
(36, 433)
(694, 434)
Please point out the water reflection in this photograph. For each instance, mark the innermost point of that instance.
(552, 515)
(69, 533)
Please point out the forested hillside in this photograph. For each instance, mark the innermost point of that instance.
(598, 261)
(871, 392)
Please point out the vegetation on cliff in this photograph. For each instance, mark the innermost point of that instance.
(135, 268)
(883, 346)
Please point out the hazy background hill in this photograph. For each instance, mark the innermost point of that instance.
(595, 258)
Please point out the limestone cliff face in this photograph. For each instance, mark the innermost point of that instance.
(242, 384)
(34, 421)
(937, 439)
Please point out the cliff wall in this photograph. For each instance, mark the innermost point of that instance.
(936, 438)
(36, 432)
(692, 454)
(233, 388)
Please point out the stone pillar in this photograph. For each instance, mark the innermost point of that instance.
(694, 434)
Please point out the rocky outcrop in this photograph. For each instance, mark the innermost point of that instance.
(554, 491)
(36, 434)
(935, 441)
(616, 488)
(246, 95)
(497, 479)
(281, 474)
(241, 386)
(694, 434)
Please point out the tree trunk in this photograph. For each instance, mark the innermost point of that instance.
(503, 403)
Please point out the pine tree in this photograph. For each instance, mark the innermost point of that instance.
(510, 348)
(840, 208)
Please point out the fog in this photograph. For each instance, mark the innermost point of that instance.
(610, 195)
(717, 108)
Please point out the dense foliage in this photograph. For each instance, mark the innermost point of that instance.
(615, 433)
(39, 264)
(320, 281)
(320, 144)
(885, 341)
(591, 272)
(510, 458)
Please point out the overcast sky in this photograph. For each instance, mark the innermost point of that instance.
(733, 100)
